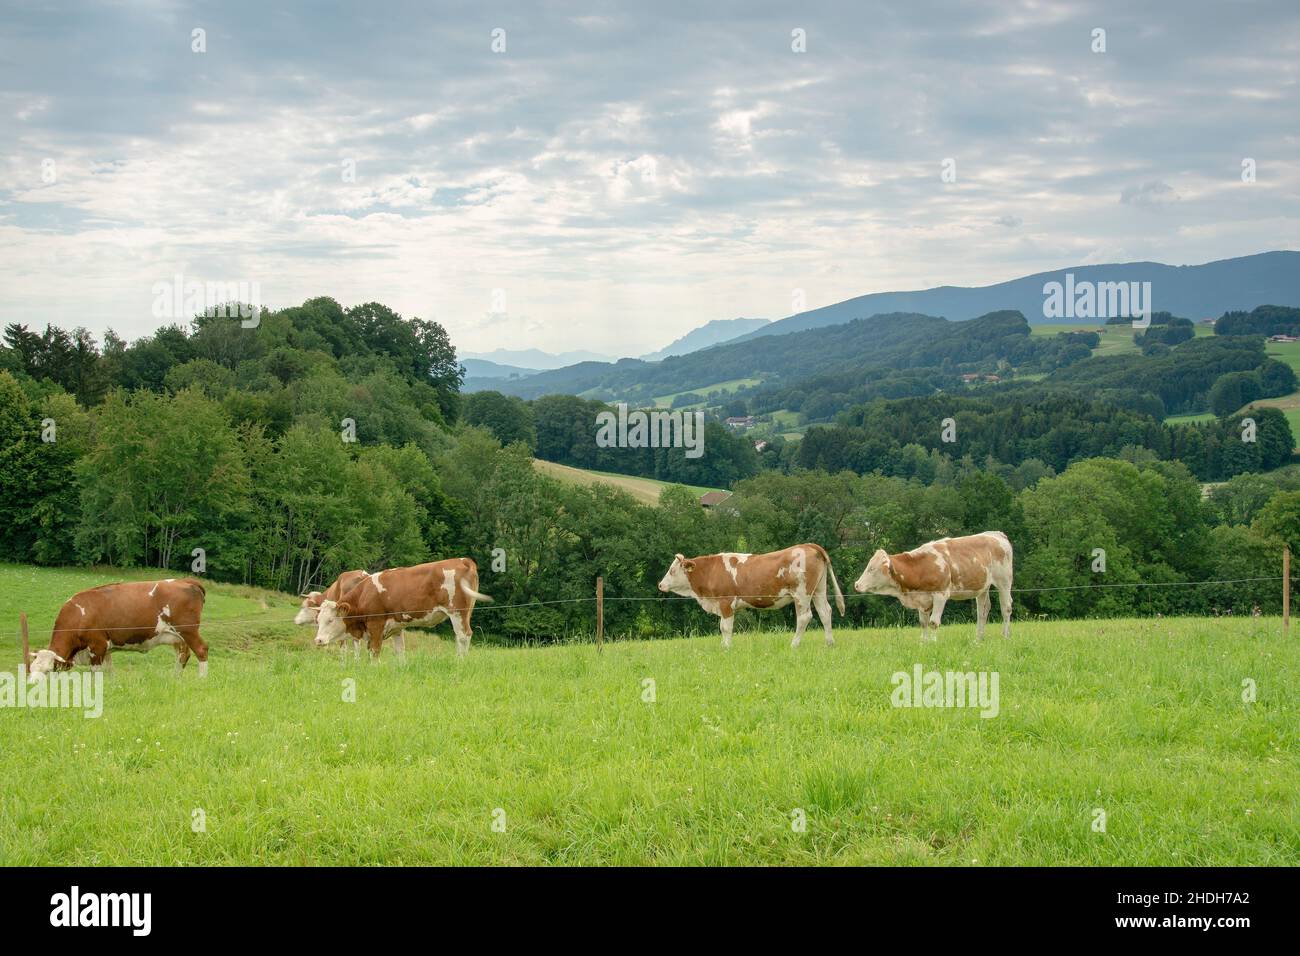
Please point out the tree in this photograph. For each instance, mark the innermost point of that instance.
(165, 475)
(509, 419)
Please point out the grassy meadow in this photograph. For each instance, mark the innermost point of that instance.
(576, 759)
(645, 490)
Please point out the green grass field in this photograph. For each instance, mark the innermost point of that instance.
(1141, 719)
(724, 388)
(643, 489)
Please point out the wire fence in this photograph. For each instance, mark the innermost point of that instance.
(479, 607)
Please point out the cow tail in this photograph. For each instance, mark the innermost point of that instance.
(470, 592)
(839, 597)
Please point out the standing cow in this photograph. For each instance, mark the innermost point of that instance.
(311, 602)
(928, 577)
(724, 583)
(383, 603)
(134, 616)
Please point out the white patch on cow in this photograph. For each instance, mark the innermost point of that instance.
(329, 624)
(676, 581)
(154, 588)
(933, 551)
(375, 578)
(449, 585)
(164, 633)
(310, 608)
(81, 609)
(43, 662)
(709, 604)
(732, 562)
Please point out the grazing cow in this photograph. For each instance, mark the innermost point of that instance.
(928, 577)
(724, 583)
(134, 616)
(383, 603)
(311, 602)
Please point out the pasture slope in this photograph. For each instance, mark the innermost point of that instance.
(1143, 719)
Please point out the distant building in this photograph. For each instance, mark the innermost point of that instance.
(1284, 338)
(760, 445)
(740, 422)
(712, 499)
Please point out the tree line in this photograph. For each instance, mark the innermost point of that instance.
(328, 439)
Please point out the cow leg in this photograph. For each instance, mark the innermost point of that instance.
(399, 645)
(982, 604)
(824, 612)
(182, 655)
(99, 651)
(194, 642)
(356, 647)
(937, 614)
(460, 624)
(802, 615)
(923, 615)
(1004, 604)
(726, 621)
(376, 641)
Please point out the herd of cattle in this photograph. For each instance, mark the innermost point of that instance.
(360, 605)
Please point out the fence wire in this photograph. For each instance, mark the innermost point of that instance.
(480, 607)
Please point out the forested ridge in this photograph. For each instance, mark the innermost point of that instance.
(330, 438)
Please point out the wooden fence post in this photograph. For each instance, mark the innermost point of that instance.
(22, 631)
(600, 613)
(1286, 590)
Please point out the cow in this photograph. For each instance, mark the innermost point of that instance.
(724, 583)
(311, 602)
(928, 577)
(381, 604)
(132, 616)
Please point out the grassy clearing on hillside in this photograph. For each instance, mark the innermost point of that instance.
(1141, 719)
(1288, 352)
(643, 489)
(724, 388)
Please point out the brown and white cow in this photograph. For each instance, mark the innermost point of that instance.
(928, 577)
(384, 603)
(312, 599)
(724, 583)
(311, 602)
(133, 616)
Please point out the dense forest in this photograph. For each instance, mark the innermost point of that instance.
(329, 438)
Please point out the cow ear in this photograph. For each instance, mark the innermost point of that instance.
(343, 608)
(689, 566)
(680, 557)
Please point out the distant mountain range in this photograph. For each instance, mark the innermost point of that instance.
(1193, 292)
(482, 368)
(535, 359)
(711, 333)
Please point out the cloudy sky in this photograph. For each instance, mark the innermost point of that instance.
(622, 173)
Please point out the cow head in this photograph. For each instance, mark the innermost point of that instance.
(676, 580)
(43, 662)
(877, 578)
(330, 625)
(310, 606)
